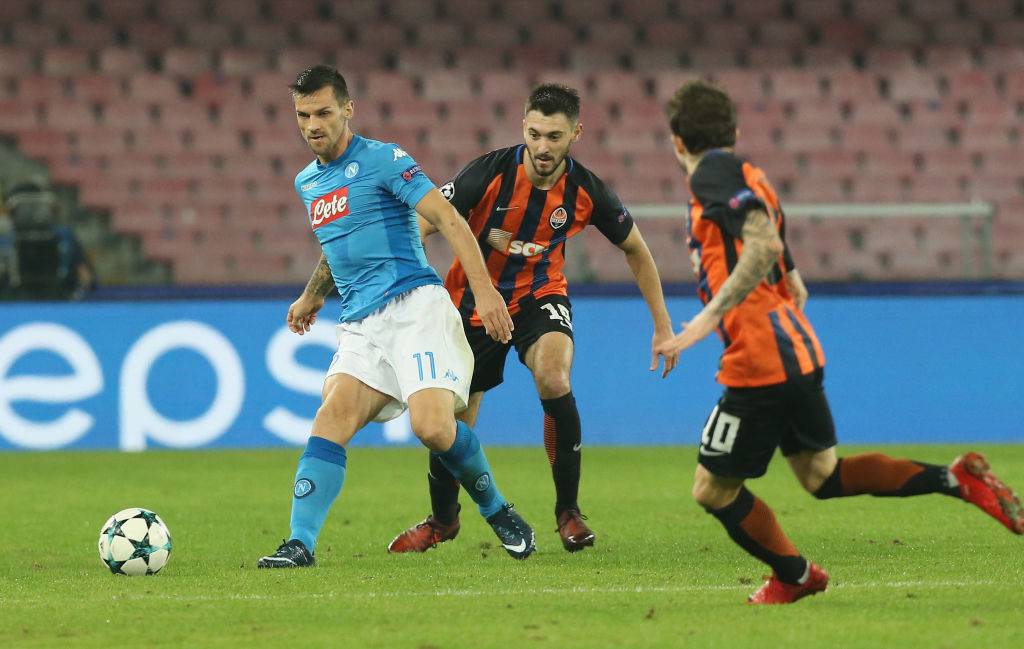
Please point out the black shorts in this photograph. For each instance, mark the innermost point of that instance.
(536, 317)
(747, 425)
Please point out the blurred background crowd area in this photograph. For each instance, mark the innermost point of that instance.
(165, 134)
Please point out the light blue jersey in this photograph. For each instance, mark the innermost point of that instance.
(361, 208)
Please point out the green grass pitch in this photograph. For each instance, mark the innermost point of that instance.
(917, 572)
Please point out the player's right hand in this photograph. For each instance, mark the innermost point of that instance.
(302, 313)
(493, 311)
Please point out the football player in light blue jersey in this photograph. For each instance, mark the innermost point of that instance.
(400, 341)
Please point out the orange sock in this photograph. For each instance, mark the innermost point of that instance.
(753, 526)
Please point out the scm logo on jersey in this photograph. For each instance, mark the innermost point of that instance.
(328, 208)
(525, 248)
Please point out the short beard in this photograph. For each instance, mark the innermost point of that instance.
(542, 174)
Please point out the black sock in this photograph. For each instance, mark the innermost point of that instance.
(881, 475)
(444, 492)
(752, 525)
(562, 442)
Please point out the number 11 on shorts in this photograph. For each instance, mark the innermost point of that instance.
(419, 363)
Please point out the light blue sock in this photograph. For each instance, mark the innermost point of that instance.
(467, 462)
(318, 482)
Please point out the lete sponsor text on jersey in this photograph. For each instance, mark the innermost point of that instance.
(329, 207)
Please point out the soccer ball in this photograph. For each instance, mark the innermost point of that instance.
(134, 541)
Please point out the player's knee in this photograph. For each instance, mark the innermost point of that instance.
(710, 496)
(434, 431)
(335, 423)
(552, 383)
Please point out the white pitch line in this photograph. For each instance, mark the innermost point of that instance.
(509, 592)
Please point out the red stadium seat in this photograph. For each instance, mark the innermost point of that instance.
(908, 85)
(35, 36)
(208, 35)
(442, 34)
(63, 12)
(151, 88)
(412, 11)
(127, 115)
(611, 34)
(180, 115)
(38, 88)
(122, 11)
(475, 59)
(92, 35)
(725, 35)
(95, 88)
(66, 115)
(668, 34)
(984, 137)
(236, 61)
(844, 34)
(238, 11)
(216, 89)
(321, 34)
(66, 61)
(187, 61)
(965, 33)
(852, 85)
(122, 61)
(1008, 32)
(702, 9)
(274, 34)
(781, 33)
(356, 12)
(890, 58)
(293, 60)
(935, 10)
(442, 85)
(657, 59)
(875, 10)
(151, 36)
(504, 85)
(99, 140)
(950, 58)
(498, 35)
(935, 114)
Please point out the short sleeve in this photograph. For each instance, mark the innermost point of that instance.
(467, 189)
(403, 176)
(718, 185)
(610, 216)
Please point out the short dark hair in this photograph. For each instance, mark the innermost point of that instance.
(703, 115)
(319, 76)
(551, 98)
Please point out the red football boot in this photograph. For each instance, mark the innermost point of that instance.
(979, 486)
(574, 532)
(423, 536)
(776, 591)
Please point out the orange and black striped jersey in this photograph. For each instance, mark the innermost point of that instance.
(767, 339)
(522, 230)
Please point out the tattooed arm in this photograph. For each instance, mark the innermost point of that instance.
(761, 248)
(302, 312)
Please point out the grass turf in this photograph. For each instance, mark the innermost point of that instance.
(916, 572)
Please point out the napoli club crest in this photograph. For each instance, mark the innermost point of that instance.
(558, 218)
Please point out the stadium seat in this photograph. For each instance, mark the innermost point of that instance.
(262, 35)
(92, 35)
(965, 33)
(208, 35)
(186, 61)
(66, 61)
(152, 36)
(237, 61)
(153, 88)
(122, 61)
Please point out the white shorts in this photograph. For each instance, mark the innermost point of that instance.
(415, 341)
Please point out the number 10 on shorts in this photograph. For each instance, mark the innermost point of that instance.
(719, 433)
(419, 363)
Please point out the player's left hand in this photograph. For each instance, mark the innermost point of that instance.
(693, 332)
(671, 359)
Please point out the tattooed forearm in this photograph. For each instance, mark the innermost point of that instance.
(321, 283)
(761, 248)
